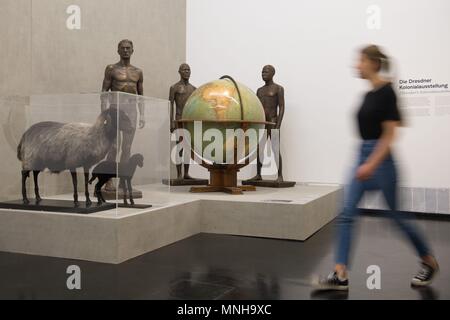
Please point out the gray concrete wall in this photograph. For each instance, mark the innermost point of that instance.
(40, 55)
(15, 56)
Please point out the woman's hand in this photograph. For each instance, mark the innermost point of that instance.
(365, 171)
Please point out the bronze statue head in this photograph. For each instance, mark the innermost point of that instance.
(125, 49)
(268, 73)
(185, 71)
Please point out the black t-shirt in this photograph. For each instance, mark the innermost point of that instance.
(378, 106)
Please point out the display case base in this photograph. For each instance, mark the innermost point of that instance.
(269, 183)
(64, 206)
(185, 182)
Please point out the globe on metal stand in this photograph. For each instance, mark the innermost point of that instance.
(221, 105)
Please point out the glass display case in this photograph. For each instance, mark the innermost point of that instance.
(55, 147)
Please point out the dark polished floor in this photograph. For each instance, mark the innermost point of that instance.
(210, 266)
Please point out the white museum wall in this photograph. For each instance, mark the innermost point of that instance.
(314, 45)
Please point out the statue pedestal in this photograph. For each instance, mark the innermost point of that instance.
(134, 206)
(118, 235)
(269, 183)
(223, 179)
(137, 194)
(111, 195)
(185, 182)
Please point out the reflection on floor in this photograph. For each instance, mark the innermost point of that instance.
(227, 267)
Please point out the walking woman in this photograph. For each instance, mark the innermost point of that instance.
(378, 119)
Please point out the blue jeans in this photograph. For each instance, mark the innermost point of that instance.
(384, 179)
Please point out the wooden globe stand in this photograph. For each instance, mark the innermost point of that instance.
(223, 177)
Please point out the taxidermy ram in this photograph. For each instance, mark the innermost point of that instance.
(67, 146)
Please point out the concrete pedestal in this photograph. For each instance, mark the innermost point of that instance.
(117, 235)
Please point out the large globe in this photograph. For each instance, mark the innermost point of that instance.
(218, 106)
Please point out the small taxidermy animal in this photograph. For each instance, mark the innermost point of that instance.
(107, 170)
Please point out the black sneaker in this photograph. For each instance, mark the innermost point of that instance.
(425, 276)
(332, 282)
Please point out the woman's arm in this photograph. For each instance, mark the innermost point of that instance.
(380, 152)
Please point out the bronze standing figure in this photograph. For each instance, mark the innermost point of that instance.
(124, 77)
(178, 96)
(271, 96)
